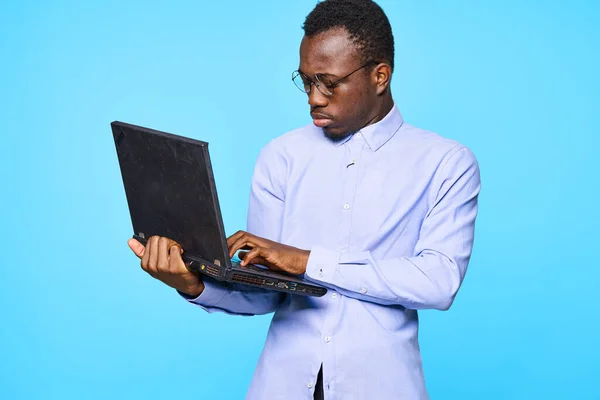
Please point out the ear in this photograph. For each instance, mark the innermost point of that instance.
(382, 75)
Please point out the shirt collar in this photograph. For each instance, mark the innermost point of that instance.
(377, 134)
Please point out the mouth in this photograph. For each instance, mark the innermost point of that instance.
(321, 120)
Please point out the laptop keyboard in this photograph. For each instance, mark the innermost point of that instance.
(260, 269)
(249, 266)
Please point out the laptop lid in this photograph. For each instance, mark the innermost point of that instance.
(170, 190)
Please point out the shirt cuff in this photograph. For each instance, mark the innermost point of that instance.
(322, 264)
(212, 294)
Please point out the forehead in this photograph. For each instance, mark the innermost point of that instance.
(331, 51)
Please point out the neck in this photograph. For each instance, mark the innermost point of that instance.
(382, 109)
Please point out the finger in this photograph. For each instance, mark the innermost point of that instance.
(243, 243)
(244, 247)
(251, 260)
(153, 258)
(163, 255)
(136, 247)
(265, 258)
(251, 256)
(174, 243)
(176, 264)
(233, 238)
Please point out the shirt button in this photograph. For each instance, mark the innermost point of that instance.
(320, 272)
(309, 385)
(334, 295)
(346, 206)
(358, 134)
(363, 290)
(327, 339)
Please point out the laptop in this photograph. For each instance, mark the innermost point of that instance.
(171, 192)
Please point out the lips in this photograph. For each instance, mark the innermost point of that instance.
(321, 120)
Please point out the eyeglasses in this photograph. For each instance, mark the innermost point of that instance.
(321, 81)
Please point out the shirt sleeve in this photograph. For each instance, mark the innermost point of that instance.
(265, 213)
(431, 278)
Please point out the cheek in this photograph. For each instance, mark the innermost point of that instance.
(358, 102)
(350, 99)
(351, 105)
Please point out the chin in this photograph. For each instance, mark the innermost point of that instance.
(335, 133)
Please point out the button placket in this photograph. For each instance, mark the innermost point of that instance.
(352, 161)
(350, 169)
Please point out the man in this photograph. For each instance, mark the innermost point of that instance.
(378, 211)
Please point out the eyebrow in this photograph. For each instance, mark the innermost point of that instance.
(320, 73)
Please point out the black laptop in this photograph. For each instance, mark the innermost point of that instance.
(171, 192)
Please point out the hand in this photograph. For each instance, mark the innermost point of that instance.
(275, 256)
(161, 258)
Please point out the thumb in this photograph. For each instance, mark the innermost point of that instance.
(176, 263)
(171, 243)
(136, 247)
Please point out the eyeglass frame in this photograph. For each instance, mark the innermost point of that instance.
(333, 85)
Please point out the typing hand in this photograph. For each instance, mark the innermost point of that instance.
(161, 258)
(275, 256)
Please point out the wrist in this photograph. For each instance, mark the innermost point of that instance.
(305, 257)
(194, 291)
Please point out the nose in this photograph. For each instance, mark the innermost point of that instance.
(316, 98)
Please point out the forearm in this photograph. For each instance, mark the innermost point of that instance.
(428, 281)
(235, 299)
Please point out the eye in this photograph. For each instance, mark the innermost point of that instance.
(325, 81)
(305, 80)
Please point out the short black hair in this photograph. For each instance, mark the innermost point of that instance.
(364, 20)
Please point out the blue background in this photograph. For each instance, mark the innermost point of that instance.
(516, 81)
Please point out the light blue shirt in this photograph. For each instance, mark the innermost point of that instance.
(388, 214)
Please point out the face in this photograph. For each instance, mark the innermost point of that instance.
(353, 104)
